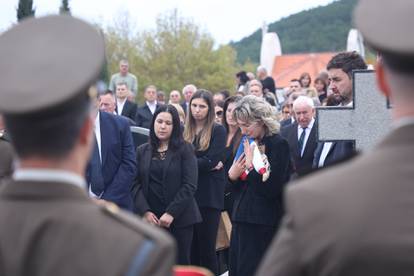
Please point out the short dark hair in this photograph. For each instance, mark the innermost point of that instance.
(51, 133)
(347, 61)
(176, 139)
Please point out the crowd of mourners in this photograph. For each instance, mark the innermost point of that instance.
(228, 151)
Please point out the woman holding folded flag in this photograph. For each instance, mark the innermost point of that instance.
(258, 175)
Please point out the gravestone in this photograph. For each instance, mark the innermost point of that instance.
(366, 122)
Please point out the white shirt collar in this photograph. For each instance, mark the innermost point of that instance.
(120, 105)
(49, 175)
(152, 106)
(309, 126)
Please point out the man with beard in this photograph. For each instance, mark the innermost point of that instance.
(340, 69)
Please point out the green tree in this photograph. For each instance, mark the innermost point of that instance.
(25, 9)
(172, 55)
(64, 8)
(178, 53)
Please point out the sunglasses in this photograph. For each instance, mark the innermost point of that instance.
(219, 113)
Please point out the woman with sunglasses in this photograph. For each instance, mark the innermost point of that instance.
(209, 140)
(166, 181)
(258, 195)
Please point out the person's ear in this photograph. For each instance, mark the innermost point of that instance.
(382, 82)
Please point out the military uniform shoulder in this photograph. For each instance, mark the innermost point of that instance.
(135, 223)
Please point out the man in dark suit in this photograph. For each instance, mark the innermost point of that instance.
(301, 135)
(144, 114)
(357, 219)
(340, 69)
(124, 107)
(49, 226)
(112, 168)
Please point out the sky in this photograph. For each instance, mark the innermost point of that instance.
(225, 20)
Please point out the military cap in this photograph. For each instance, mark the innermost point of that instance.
(46, 62)
(387, 25)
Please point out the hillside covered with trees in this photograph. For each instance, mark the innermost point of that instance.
(316, 30)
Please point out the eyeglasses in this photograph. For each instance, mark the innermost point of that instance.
(219, 113)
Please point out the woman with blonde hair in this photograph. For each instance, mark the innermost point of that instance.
(257, 196)
(209, 141)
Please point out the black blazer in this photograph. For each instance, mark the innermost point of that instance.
(261, 202)
(180, 184)
(129, 110)
(143, 116)
(210, 191)
(302, 164)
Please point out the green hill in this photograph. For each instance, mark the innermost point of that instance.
(316, 30)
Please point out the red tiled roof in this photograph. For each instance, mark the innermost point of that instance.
(287, 67)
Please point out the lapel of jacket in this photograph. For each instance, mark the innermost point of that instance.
(146, 160)
(311, 140)
(105, 136)
(295, 138)
(125, 110)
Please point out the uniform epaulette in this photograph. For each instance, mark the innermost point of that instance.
(127, 219)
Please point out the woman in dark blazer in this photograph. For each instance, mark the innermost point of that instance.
(167, 180)
(209, 140)
(258, 206)
(232, 144)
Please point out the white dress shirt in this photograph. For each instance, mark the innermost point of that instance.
(120, 105)
(97, 131)
(308, 129)
(152, 106)
(325, 150)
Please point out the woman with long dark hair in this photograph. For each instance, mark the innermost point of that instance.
(232, 144)
(167, 180)
(209, 140)
(258, 180)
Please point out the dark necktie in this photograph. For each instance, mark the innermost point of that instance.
(97, 181)
(301, 140)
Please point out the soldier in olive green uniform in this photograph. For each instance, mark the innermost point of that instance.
(49, 226)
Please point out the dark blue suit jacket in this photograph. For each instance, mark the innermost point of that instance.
(118, 160)
(339, 151)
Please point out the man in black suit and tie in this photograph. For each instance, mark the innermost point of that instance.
(144, 114)
(124, 107)
(301, 135)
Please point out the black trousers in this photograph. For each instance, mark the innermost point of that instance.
(204, 243)
(247, 247)
(184, 237)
